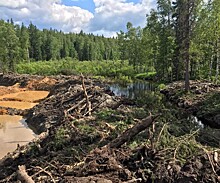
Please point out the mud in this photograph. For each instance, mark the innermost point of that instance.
(77, 122)
(13, 129)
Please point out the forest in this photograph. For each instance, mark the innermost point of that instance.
(180, 40)
(142, 106)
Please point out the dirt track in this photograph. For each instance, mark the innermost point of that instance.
(79, 122)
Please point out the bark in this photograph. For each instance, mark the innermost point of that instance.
(23, 176)
(210, 66)
(187, 46)
(217, 61)
(130, 133)
(88, 103)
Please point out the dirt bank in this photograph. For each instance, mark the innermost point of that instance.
(202, 101)
(89, 135)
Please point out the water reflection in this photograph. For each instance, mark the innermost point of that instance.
(136, 89)
(139, 89)
(194, 120)
(13, 131)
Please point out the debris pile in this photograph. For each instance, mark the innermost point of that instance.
(89, 135)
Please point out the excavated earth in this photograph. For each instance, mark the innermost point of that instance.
(73, 143)
(203, 100)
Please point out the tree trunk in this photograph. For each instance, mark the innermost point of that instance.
(217, 62)
(130, 133)
(210, 66)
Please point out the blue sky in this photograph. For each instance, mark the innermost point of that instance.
(84, 4)
(92, 16)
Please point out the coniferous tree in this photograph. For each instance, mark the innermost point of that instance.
(24, 43)
(184, 25)
(35, 43)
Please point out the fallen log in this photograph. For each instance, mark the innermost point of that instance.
(130, 133)
(23, 176)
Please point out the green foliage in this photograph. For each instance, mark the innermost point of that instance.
(106, 115)
(120, 70)
(114, 118)
(25, 44)
(9, 50)
(161, 86)
(150, 100)
(85, 128)
(146, 76)
(211, 105)
(156, 50)
(181, 148)
(60, 140)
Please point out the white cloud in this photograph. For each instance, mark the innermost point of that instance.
(110, 16)
(49, 13)
(113, 15)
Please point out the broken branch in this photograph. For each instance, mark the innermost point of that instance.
(86, 95)
(23, 176)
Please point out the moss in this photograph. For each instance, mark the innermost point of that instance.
(108, 115)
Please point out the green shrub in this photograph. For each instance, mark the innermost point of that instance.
(146, 76)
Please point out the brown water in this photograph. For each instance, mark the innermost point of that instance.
(13, 131)
(26, 96)
(17, 105)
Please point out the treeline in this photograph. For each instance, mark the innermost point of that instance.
(25, 44)
(181, 40)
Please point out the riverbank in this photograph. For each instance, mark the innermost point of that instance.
(82, 124)
(202, 100)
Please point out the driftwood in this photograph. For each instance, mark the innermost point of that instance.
(130, 133)
(23, 176)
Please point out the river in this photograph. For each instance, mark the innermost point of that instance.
(132, 90)
(139, 89)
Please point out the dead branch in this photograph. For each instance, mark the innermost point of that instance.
(86, 95)
(75, 96)
(130, 133)
(94, 107)
(48, 173)
(23, 176)
(77, 105)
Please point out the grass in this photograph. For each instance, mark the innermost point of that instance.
(119, 70)
(96, 68)
(146, 76)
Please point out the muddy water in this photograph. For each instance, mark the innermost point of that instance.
(17, 105)
(26, 96)
(13, 129)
